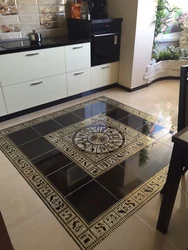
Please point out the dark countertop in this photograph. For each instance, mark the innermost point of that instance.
(7, 47)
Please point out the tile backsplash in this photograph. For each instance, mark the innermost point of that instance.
(19, 17)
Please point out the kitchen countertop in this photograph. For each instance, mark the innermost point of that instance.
(19, 45)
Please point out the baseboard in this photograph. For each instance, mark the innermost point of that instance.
(133, 89)
(47, 105)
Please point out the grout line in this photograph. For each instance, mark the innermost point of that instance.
(78, 188)
(107, 190)
(29, 141)
(59, 169)
(42, 154)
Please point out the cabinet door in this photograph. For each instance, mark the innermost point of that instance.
(31, 65)
(29, 94)
(110, 73)
(97, 77)
(104, 75)
(2, 104)
(78, 82)
(78, 57)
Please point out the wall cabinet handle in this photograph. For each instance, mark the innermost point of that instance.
(33, 54)
(77, 74)
(80, 47)
(36, 83)
(106, 67)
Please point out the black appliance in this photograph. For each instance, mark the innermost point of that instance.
(97, 9)
(106, 40)
(105, 35)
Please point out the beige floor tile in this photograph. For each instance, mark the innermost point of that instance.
(42, 232)
(178, 228)
(135, 235)
(18, 202)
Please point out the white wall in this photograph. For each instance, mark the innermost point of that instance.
(137, 38)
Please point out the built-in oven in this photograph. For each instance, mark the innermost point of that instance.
(106, 41)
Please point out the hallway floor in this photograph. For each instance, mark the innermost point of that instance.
(33, 227)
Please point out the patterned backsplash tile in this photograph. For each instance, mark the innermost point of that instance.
(19, 17)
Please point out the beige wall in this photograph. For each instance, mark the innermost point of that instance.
(128, 11)
(137, 38)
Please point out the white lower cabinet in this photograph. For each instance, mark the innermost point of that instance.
(104, 75)
(33, 93)
(78, 81)
(2, 105)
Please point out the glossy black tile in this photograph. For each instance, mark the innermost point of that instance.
(102, 107)
(51, 161)
(91, 200)
(69, 178)
(141, 166)
(153, 130)
(67, 119)
(159, 152)
(36, 148)
(167, 140)
(23, 136)
(86, 112)
(47, 127)
(117, 113)
(133, 121)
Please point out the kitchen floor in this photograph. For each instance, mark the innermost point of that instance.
(32, 226)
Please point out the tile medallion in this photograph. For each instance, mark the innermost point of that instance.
(98, 143)
(70, 165)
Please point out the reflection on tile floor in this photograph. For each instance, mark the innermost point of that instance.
(94, 155)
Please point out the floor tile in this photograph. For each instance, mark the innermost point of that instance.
(47, 127)
(51, 161)
(18, 202)
(153, 130)
(68, 119)
(136, 235)
(117, 113)
(86, 112)
(69, 178)
(159, 152)
(91, 200)
(42, 232)
(178, 228)
(36, 148)
(102, 107)
(116, 181)
(23, 136)
(133, 121)
(167, 140)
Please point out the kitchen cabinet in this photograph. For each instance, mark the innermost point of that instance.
(2, 104)
(78, 57)
(36, 92)
(31, 65)
(78, 81)
(104, 75)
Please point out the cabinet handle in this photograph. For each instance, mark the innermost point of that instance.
(77, 74)
(36, 83)
(33, 54)
(78, 47)
(106, 67)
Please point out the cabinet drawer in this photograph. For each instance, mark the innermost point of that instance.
(104, 75)
(78, 57)
(31, 65)
(78, 82)
(29, 94)
(2, 104)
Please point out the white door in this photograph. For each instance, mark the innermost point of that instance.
(97, 77)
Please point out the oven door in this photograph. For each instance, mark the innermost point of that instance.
(105, 48)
